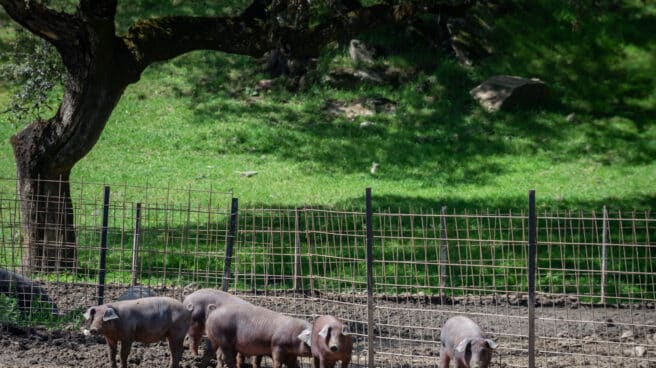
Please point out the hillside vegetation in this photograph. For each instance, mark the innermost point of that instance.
(198, 120)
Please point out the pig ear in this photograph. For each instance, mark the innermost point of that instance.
(493, 345)
(109, 315)
(210, 307)
(306, 336)
(462, 346)
(346, 330)
(324, 331)
(88, 313)
(190, 307)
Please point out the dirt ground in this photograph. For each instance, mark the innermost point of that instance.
(407, 332)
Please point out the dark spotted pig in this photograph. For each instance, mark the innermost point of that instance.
(146, 320)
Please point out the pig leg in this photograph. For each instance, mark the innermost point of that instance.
(345, 362)
(315, 362)
(291, 361)
(444, 359)
(208, 354)
(194, 340)
(111, 351)
(176, 346)
(324, 364)
(228, 358)
(278, 357)
(126, 345)
(256, 361)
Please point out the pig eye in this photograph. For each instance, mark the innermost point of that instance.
(92, 311)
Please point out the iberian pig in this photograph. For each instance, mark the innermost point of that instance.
(256, 331)
(197, 303)
(146, 320)
(463, 341)
(330, 341)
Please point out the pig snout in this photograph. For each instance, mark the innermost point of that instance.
(333, 348)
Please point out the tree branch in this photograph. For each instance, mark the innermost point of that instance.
(53, 26)
(256, 30)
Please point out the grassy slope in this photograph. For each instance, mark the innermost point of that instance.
(194, 122)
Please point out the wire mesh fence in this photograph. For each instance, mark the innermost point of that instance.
(394, 277)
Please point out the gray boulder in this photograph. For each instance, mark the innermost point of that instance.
(509, 92)
(361, 53)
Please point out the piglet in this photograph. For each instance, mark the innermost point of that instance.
(330, 341)
(463, 341)
(146, 320)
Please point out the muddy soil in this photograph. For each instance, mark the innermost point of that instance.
(407, 331)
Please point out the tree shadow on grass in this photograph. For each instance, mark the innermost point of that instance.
(599, 65)
(446, 139)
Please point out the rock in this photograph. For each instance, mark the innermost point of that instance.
(264, 85)
(628, 334)
(137, 292)
(572, 118)
(366, 124)
(636, 351)
(467, 38)
(248, 174)
(508, 92)
(361, 53)
(349, 110)
(349, 78)
(374, 168)
(378, 104)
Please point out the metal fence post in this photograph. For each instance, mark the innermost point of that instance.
(103, 248)
(604, 255)
(370, 278)
(135, 244)
(230, 243)
(443, 257)
(532, 251)
(297, 249)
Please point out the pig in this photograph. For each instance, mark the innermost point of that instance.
(256, 331)
(146, 320)
(197, 303)
(330, 341)
(463, 341)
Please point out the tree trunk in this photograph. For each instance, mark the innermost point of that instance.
(48, 231)
(45, 153)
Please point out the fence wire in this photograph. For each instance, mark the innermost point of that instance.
(595, 277)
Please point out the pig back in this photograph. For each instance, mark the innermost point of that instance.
(198, 301)
(456, 329)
